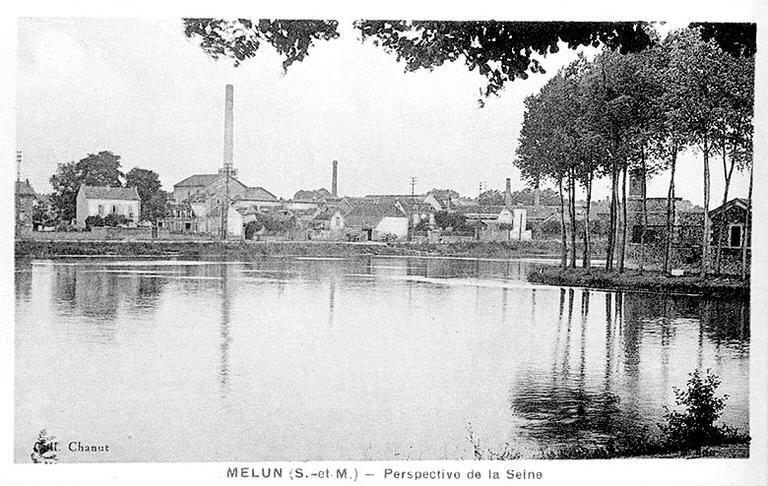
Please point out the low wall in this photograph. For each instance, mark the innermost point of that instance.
(109, 233)
(59, 235)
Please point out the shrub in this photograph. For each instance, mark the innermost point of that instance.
(695, 425)
(114, 219)
(422, 225)
(251, 227)
(92, 221)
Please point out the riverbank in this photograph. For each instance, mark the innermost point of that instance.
(735, 446)
(599, 278)
(247, 250)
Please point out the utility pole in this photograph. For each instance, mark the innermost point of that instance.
(18, 165)
(410, 216)
(480, 189)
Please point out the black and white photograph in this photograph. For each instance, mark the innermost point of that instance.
(352, 247)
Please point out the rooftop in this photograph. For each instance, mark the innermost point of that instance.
(23, 188)
(99, 192)
(197, 180)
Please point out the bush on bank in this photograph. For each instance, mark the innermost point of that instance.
(684, 432)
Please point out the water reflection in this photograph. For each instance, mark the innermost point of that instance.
(405, 352)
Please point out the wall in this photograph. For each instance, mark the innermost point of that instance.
(393, 226)
(234, 223)
(109, 233)
(686, 258)
(90, 207)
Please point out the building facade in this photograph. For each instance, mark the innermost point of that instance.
(103, 201)
(25, 199)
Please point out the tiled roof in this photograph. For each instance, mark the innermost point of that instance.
(23, 188)
(739, 202)
(99, 192)
(197, 180)
(481, 209)
(367, 212)
(415, 205)
(326, 214)
(258, 194)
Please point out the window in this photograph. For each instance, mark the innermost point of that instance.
(734, 236)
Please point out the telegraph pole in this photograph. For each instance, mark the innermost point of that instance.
(18, 165)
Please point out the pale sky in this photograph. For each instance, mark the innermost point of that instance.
(139, 88)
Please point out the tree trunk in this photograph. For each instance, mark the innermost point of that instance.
(705, 237)
(612, 219)
(644, 175)
(727, 173)
(670, 211)
(572, 207)
(587, 260)
(564, 256)
(747, 227)
(623, 247)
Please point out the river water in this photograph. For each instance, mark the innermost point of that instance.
(360, 358)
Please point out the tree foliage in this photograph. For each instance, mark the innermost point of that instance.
(443, 193)
(500, 51)
(736, 38)
(630, 115)
(491, 197)
(240, 39)
(696, 424)
(153, 198)
(102, 169)
(449, 219)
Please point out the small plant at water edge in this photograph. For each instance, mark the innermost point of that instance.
(695, 426)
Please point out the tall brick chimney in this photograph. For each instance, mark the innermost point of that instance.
(536, 197)
(228, 128)
(334, 179)
(508, 194)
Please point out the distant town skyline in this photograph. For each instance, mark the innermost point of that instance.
(139, 88)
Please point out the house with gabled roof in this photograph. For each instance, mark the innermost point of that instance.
(25, 199)
(103, 201)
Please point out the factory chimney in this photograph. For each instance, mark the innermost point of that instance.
(229, 102)
(334, 180)
(536, 197)
(508, 194)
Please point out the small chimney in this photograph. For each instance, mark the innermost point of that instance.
(536, 197)
(508, 194)
(334, 180)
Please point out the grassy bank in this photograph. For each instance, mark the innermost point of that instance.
(736, 447)
(634, 280)
(254, 249)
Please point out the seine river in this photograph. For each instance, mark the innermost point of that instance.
(361, 358)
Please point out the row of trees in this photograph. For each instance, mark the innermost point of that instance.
(633, 114)
(104, 169)
(526, 196)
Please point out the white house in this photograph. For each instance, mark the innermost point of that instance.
(391, 225)
(102, 201)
